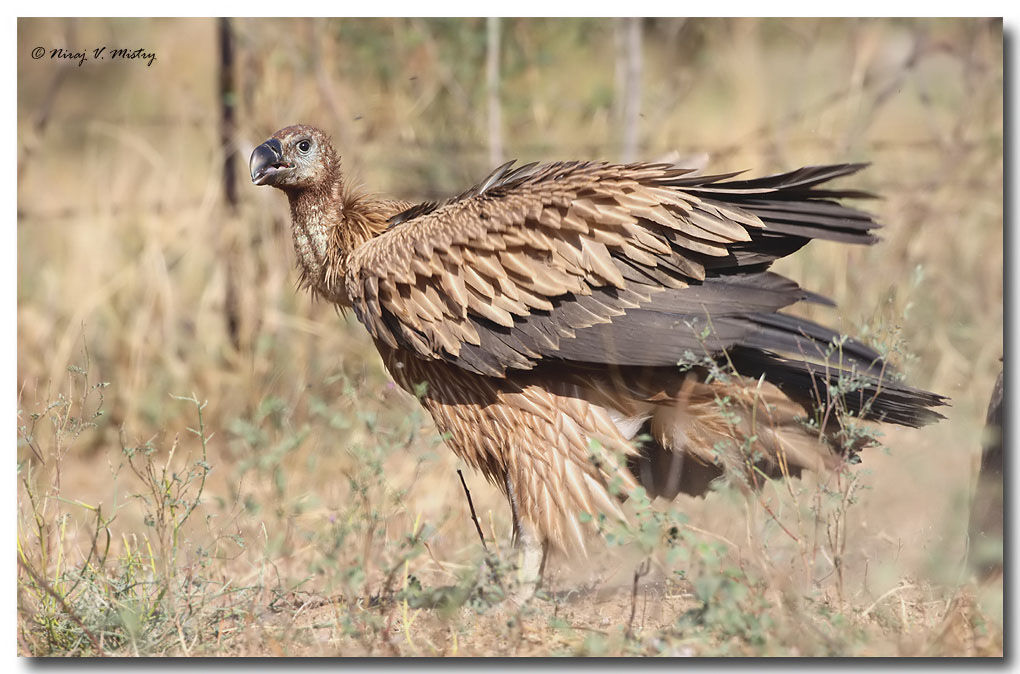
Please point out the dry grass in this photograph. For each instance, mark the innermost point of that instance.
(325, 498)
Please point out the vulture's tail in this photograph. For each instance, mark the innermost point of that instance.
(822, 387)
(767, 421)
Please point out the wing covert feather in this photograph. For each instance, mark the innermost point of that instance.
(508, 272)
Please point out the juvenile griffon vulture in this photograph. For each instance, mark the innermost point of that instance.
(546, 311)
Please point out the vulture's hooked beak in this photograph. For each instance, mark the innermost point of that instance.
(266, 161)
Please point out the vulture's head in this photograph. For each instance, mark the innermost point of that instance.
(295, 158)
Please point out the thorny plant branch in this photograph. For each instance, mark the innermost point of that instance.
(478, 527)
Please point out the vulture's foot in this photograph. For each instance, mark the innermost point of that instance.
(531, 552)
(531, 556)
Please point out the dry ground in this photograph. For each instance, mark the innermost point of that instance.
(315, 510)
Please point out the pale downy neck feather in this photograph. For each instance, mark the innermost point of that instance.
(329, 221)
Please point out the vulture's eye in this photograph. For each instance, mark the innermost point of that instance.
(304, 146)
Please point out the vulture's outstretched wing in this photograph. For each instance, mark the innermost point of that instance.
(602, 263)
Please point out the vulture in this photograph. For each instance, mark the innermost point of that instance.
(578, 330)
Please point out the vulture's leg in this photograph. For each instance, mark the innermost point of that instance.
(532, 550)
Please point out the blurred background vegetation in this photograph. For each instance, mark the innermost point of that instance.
(141, 260)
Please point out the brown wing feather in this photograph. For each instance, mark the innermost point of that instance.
(503, 275)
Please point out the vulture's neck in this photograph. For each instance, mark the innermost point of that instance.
(329, 222)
